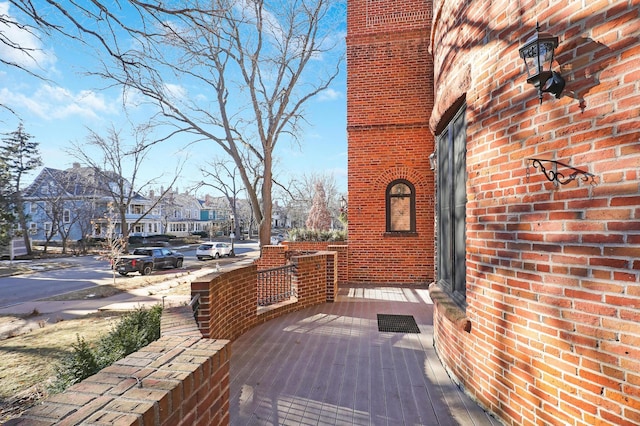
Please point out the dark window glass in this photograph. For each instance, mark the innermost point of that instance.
(401, 206)
(452, 199)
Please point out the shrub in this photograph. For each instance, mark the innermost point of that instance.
(304, 234)
(75, 367)
(134, 331)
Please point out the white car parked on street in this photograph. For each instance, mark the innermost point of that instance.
(213, 250)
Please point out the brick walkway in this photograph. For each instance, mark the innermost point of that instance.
(329, 365)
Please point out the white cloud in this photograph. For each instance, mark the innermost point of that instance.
(329, 95)
(55, 103)
(176, 91)
(21, 46)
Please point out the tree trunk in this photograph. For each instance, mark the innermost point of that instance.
(267, 207)
(23, 223)
(124, 229)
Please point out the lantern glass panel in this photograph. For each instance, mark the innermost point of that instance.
(546, 56)
(532, 65)
(529, 54)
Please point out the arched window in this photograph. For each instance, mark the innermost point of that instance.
(401, 206)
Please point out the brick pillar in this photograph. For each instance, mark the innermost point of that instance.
(389, 100)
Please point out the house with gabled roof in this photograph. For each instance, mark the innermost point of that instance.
(72, 204)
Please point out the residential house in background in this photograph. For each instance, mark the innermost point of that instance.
(217, 215)
(72, 204)
(62, 204)
(177, 214)
(222, 219)
(76, 203)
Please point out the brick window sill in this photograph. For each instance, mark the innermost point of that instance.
(402, 234)
(449, 309)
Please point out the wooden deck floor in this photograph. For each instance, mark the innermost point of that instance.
(330, 365)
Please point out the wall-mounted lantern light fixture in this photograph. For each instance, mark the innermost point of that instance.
(537, 54)
(432, 160)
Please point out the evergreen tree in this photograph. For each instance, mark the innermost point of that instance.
(7, 219)
(20, 155)
(319, 217)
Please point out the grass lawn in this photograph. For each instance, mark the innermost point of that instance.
(27, 361)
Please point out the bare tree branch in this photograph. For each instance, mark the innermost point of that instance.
(116, 171)
(237, 74)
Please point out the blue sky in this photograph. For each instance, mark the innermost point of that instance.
(62, 107)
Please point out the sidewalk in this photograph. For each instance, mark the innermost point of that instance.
(24, 317)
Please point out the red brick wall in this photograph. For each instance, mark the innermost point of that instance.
(389, 98)
(553, 276)
(183, 379)
(272, 257)
(177, 380)
(341, 248)
(228, 301)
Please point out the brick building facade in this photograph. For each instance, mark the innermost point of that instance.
(390, 93)
(537, 294)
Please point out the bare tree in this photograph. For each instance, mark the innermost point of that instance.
(168, 208)
(116, 169)
(114, 245)
(235, 73)
(222, 175)
(7, 217)
(83, 215)
(52, 209)
(20, 46)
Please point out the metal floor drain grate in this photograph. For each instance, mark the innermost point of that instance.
(397, 324)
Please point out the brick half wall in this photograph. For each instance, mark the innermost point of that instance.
(274, 256)
(228, 301)
(176, 380)
(183, 379)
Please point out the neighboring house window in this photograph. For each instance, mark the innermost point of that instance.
(66, 216)
(452, 198)
(401, 206)
(33, 228)
(47, 228)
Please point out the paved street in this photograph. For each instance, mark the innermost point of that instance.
(78, 273)
(22, 295)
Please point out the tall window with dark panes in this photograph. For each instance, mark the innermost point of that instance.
(452, 200)
(401, 206)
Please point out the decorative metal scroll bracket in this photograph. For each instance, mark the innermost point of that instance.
(553, 175)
